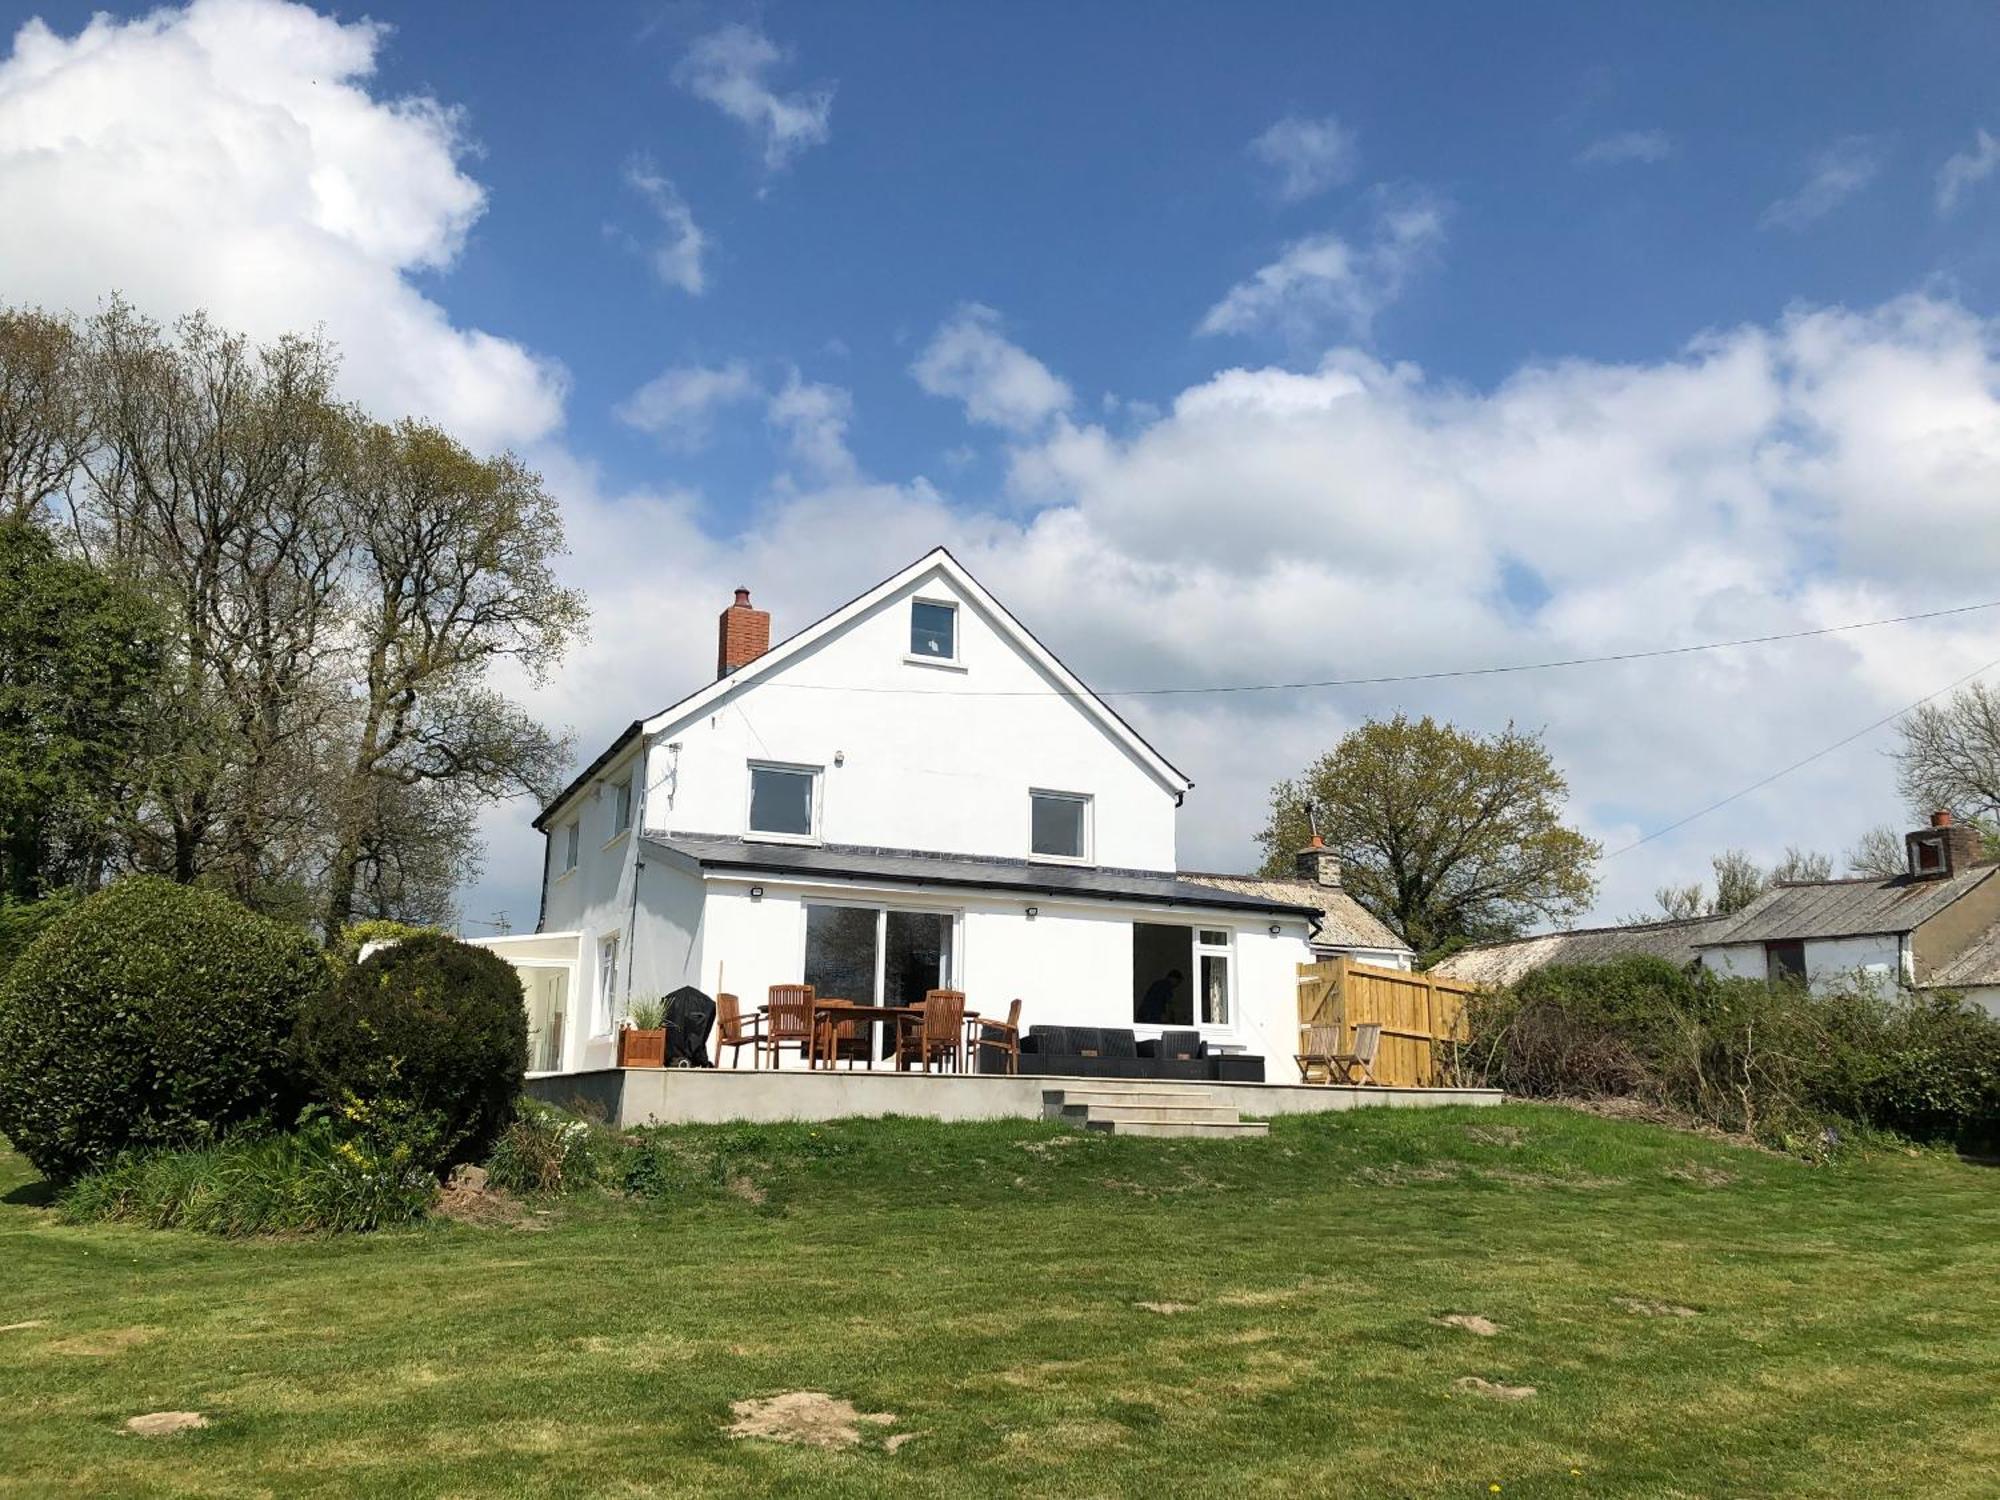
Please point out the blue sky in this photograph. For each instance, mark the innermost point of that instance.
(1226, 342)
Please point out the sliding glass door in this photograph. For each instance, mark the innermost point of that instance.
(877, 955)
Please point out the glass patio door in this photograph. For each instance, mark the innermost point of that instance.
(877, 955)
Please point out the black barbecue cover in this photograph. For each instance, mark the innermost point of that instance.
(690, 1017)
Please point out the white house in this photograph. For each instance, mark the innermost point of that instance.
(912, 792)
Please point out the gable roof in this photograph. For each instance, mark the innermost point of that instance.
(938, 560)
(1978, 963)
(1343, 921)
(1504, 962)
(1846, 908)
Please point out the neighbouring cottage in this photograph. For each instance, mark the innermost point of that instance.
(912, 792)
(1935, 926)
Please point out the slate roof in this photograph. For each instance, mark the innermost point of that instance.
(962, 871)
(1498, 964)
(1978, 963)
(1344, 922)
(1846, 908)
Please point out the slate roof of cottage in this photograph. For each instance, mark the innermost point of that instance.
(962, 871)
(1344, 922)
(1846, 908)
(1496, 964)
(1978, 963)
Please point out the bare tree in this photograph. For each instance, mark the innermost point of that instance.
(1949, 755)
(1878, 853)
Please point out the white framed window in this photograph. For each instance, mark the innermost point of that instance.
(933, 631)
(572, 841)
(1059, 826)
(784, 803)
(607, 985)
(1211, 962)
(621, 807)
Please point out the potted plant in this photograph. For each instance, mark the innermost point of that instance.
(642, 1039)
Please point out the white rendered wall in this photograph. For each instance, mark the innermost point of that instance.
(593, 900)
(1070, 965)
(1984, 997)
(922, 765)
(1830, 962)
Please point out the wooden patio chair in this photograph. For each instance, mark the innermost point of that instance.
(1367, 1045)
(848, 1041)
(788, 1022)
(1317, 1048)
(983, 1035)
(935, 1035)
(735, 1032)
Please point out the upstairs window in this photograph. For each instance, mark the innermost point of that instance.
(783, 801)
(933, 631)
(621, 808)
(1058, 825)
(572, 838)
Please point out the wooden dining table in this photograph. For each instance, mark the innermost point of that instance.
(831, 1009)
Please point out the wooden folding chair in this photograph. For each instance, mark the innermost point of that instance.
(1367, 1045)
(1318, 1046)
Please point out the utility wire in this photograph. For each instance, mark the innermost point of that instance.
(1384, 680)
(1819, 754)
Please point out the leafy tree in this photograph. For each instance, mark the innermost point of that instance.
(79, 653)
(1443, 834)
(1739, 880)
(44, 420)
(455, 576)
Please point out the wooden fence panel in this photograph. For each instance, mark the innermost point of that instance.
(1415, 1012)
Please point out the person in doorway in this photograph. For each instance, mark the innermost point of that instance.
(1159, 998)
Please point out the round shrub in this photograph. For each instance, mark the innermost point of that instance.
(431, 1034)
(149, 1014)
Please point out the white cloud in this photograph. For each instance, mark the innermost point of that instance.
(1627, 146)
(679, 405)
(1326, 282)
(814, 419)
(1833, 176)
(1309, 155)
(728, 67)
(232, 156)
(1001, 385)
(676, 257)
(1965, 169)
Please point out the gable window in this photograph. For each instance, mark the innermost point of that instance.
(607, 984)
(621, 808)
(572, 838)
(933, 631)
(1058, 825)
(784, 802)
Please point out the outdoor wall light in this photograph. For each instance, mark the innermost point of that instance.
(756, 893)
(840, 757)
(1274, 929)
(1033, 912)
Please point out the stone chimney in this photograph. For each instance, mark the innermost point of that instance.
(1316, 864)
(742, 635)
(1943, 849)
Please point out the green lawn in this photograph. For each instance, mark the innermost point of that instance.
(983, 1284)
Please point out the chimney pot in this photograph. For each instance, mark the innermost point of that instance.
(1941, 819)
(742, 635)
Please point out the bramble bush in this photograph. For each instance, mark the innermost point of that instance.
(1774, 1061)
(431, 1031)
(149, 1015)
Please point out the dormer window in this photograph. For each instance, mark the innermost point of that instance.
(933, 631)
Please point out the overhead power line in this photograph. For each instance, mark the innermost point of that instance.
(1819, 754)
(1387, 679)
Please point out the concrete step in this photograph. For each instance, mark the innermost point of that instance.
(1173, 1114)
(1154, 1095)
(1240, 1130)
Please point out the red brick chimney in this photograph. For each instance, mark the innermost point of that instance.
(742, 635)
(1944, 848)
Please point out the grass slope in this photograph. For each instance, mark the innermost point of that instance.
(982, 1283)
